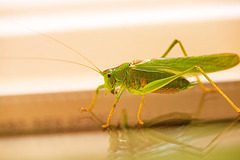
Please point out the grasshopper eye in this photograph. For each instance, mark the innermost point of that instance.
(109, 75)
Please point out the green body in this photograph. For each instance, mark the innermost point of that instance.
(164, 75)
(134, 76)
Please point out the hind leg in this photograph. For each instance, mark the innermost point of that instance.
(203, 88)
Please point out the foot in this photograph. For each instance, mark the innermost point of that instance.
(85, 109)
(140, 122)
(209, 90)
(105, 125)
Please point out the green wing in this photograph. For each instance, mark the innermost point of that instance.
(208, 63)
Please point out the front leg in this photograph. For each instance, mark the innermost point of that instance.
(114, 105)
(93, 101)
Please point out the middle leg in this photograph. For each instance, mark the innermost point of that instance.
(140, 110)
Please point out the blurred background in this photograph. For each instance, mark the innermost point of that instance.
(40, 97)
(108, 33)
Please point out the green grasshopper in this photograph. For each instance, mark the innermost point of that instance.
(163, 75)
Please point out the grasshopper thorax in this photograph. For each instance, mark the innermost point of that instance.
(115, 77)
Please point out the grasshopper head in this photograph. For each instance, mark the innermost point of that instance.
(110, 80)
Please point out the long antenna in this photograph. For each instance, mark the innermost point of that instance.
(67, 46)
(51, 59)
(60, 42)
